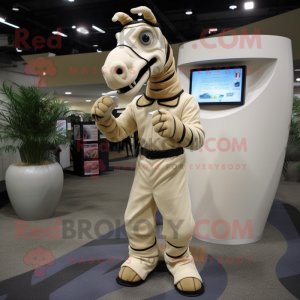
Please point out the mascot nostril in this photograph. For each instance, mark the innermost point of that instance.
(167, 120)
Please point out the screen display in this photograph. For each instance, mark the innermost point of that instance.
(224, 85)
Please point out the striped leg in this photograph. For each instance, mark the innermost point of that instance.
(173, 201)
(140, 224)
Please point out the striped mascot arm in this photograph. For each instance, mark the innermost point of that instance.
(192, 134)
(186, 132)
(114, 129)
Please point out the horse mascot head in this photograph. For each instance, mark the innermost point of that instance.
(142, 53)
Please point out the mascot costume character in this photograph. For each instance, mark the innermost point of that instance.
(144, 55)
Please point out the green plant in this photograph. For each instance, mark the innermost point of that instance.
(293, 143)
(86, 117)
(28, 118)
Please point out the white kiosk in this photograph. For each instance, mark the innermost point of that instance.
(234, 177)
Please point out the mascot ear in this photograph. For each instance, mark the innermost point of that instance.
(147, 13)
(122, 17)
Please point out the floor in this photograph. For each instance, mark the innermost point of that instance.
(83, 264)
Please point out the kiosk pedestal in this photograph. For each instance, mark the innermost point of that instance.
(234, 177)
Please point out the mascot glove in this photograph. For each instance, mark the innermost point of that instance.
(167, 125)
(101, 107)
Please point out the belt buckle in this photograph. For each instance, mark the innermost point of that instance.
(151, 153)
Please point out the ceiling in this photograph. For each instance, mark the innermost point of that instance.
(40, 18)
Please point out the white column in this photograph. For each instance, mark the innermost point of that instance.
(234, 177)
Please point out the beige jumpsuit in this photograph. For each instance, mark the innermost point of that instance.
(161, 183)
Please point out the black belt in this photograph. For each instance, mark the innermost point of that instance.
(154, 154)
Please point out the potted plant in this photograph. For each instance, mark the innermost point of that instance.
(291, 167)
(28, 124)
(87, 117)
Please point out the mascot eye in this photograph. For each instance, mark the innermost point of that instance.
(45, 68)
(36, 68)
(146, 38)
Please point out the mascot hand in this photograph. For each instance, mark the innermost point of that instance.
(164, 123)
(101, 106)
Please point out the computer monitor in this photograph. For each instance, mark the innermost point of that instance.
(219, 85)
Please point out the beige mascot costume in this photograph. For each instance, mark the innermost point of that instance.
(143, 54)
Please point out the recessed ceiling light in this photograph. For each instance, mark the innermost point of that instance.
(297, 70)
(9, 24)
(15, 8)
(232, 7)
(68, 93)
(88, 100)
(95, 45)
(188, 12)
(249, 5)
(140, 19)
(59, 33)
(18, 50)
(98, 29)
(66, 101)
(140, 14)
(71, 0)
(298, 79)
(73, 26)
(82, 30)
(210, 30)
(99, 50)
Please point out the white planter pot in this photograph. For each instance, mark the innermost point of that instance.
(34, 191)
